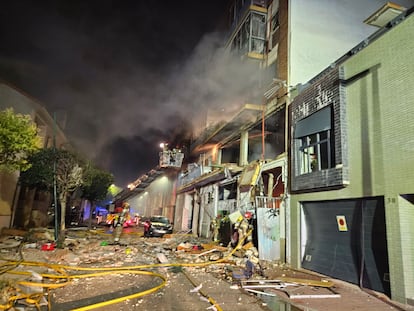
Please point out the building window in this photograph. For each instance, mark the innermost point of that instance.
(314, 138)
(315, 152)
(274, 28)
(228, 192)
(252, 35)
(275, 21)
(258, 33)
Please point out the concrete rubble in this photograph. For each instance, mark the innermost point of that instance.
(96, 249)
(203, 260)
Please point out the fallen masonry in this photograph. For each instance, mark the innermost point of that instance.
(38, 275)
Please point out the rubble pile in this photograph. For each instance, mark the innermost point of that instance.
(93, 249)
(96, 249)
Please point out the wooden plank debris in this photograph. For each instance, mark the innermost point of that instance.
(215, 246)
(305, 292)
(321, 283)
(276, 284)
(295, 288)
(295, 281)
(260, 292)
(207, 252)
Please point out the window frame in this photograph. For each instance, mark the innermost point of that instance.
(315, 142)
(309, 147)
(246, 41)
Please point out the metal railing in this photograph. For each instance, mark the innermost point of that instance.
(268, 202)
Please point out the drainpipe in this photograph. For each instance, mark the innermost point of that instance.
(284, 221)
(263, 134)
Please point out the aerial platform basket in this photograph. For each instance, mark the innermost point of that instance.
(171, 158)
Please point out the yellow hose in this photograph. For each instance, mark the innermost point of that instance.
(61, 269)
(120, 299)
(210, 299)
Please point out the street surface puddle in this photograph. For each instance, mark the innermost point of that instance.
(275, 304)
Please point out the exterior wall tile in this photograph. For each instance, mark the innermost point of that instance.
(325, 90)
(379, 110)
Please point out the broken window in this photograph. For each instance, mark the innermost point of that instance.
(252, 34)
(228, 192)
(274, 24)
(275, 21)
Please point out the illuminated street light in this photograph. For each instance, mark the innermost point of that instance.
(114, 190)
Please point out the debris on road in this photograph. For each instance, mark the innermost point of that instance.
(196, 289)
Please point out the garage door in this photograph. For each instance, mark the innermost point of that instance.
(346, 239)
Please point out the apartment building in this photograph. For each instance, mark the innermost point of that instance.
(320, 149)
(21, 206)
(242, 164)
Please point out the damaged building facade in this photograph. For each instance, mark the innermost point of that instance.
(321, 183)
(241, 163)
(322, 165)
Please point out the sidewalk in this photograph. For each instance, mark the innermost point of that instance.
(351, 297)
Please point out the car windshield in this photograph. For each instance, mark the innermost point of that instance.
(163, 220)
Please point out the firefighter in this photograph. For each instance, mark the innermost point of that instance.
(125, 216)
(241, 231)
(214, 226)
(147, 225)
(136, 219)
(119, 221)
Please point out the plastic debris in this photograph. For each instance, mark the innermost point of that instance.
(196, 289)
(48, 247)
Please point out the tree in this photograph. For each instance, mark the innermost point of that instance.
(50, 166)
(96, 183)
(18, 140)
(68, 178)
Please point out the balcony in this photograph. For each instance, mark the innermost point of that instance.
(238, 13)
(247, 34)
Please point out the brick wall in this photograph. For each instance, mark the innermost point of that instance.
(326, 89)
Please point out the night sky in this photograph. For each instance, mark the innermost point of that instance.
(121, 76)
(124, 75)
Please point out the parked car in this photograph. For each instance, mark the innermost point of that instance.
(159, 225)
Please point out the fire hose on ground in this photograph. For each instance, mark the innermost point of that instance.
(66, 278)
